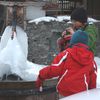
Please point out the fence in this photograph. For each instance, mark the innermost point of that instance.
(57, 7)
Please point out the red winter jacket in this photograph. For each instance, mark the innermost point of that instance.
(76, 70)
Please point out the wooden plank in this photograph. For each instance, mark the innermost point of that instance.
(8, 84)
(25, 90)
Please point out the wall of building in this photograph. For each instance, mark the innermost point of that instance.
(93, 7)
(33, 12)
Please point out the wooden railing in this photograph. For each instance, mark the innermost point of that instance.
(62, 6)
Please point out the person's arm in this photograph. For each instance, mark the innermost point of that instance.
(54, 70)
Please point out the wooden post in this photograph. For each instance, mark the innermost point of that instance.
(20, 15)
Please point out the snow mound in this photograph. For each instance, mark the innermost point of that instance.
(46, 19)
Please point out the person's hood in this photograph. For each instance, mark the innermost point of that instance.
(81, 54)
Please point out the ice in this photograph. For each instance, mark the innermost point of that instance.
(13, 55)
(21, 36)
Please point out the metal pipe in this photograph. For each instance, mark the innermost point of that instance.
(14, 20)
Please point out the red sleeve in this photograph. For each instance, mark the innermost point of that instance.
(93, 76)
(55, 69)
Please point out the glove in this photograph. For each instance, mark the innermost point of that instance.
(39, 82)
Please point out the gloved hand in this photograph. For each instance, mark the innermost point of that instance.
(39, 82)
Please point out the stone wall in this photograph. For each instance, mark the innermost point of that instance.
(42, 40)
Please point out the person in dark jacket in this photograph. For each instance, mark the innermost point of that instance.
(79, 20)
(74, 66)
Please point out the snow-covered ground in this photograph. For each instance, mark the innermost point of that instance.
(93, 94)
(97, 59)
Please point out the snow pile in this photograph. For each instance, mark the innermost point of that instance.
(92, 20)
(46, 19)
(62, 18)
(32, 71)
(58, 18)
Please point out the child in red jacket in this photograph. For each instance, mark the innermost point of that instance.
(75, 67)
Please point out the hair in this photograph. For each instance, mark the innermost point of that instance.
(79, 14)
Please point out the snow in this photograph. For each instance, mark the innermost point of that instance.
(61, 18)
(32, 71)
(92, 20)
(46, 19)
(58, 18)
(93, 94)
(97, 59)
